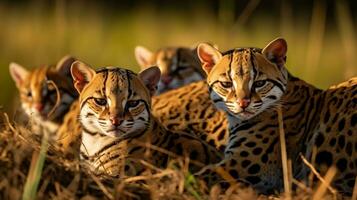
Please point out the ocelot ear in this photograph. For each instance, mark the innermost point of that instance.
(143, 57)
(195, 46)
(150, 77)
(18, 73)
(64, 65)
(209, 56)
(82, 74)
(275, 51)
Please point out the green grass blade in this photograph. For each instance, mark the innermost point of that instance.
(35, 172)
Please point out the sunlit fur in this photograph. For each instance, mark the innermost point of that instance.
(40, 87)
(179, 66)
(111, 85)
(318, 124)
(242, 69)
(190, 109)
(113, 150)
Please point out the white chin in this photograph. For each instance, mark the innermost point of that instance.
(246, 116)
(243, 115)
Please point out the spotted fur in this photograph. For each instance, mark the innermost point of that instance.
(248, 84)
(189, 109)
(179, 66)
(116, 123)
(38, 94)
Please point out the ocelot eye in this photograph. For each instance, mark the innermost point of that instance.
(260, 83)
(100, 101)
(226, 84)
(133, 103)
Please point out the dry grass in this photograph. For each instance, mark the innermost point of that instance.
(64, 179)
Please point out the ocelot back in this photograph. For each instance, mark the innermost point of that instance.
(249, 84)
(190, 109)
(179, 65)
(117, 125)
(46, 94)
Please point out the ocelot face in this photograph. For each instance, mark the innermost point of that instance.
(114, 101)
(245, 81)
(46, 93)
(179, 66)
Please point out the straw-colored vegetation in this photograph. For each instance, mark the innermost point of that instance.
(36, 34)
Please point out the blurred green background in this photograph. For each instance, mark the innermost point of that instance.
(320, 33)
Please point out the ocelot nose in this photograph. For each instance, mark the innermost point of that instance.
(116, 121)
(39, 107)
(244, 103)
(166, 79)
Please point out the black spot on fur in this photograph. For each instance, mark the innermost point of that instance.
(332, 142)
(187, 116)
(341, 141)
(221, 134)
(354, 119)
(264, 158)
(351, 183)
(250, 144)
(253, 179)
(349, 148)
(245, 126)
(349, 133)
(203, 137)
(271, 97)
(341, 124)
(193, 155)
(258, 136)
(324, 157)
(265, 140)
(233, 163)
(342, 164)
(238, 142)
(222, 148)
(211, 142)
(335, 118)
(254, 169)
(179, 149)
(245, 163)
(257, 151)
(327, 116)
(127, 167)
(204, 125)
(244, 154)
(319, 139)
(234, 173)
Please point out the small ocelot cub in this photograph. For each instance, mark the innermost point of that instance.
(249, 84)
(179, 66)
(46, 94)
(118, 129)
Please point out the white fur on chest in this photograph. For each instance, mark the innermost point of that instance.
(91, 144)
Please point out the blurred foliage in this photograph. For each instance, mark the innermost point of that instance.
(320, 35)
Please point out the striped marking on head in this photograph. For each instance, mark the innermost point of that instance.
(245, 81)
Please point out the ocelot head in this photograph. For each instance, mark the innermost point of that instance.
(245, 81)
(47, 92)
(114, 101)
(179, 66)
